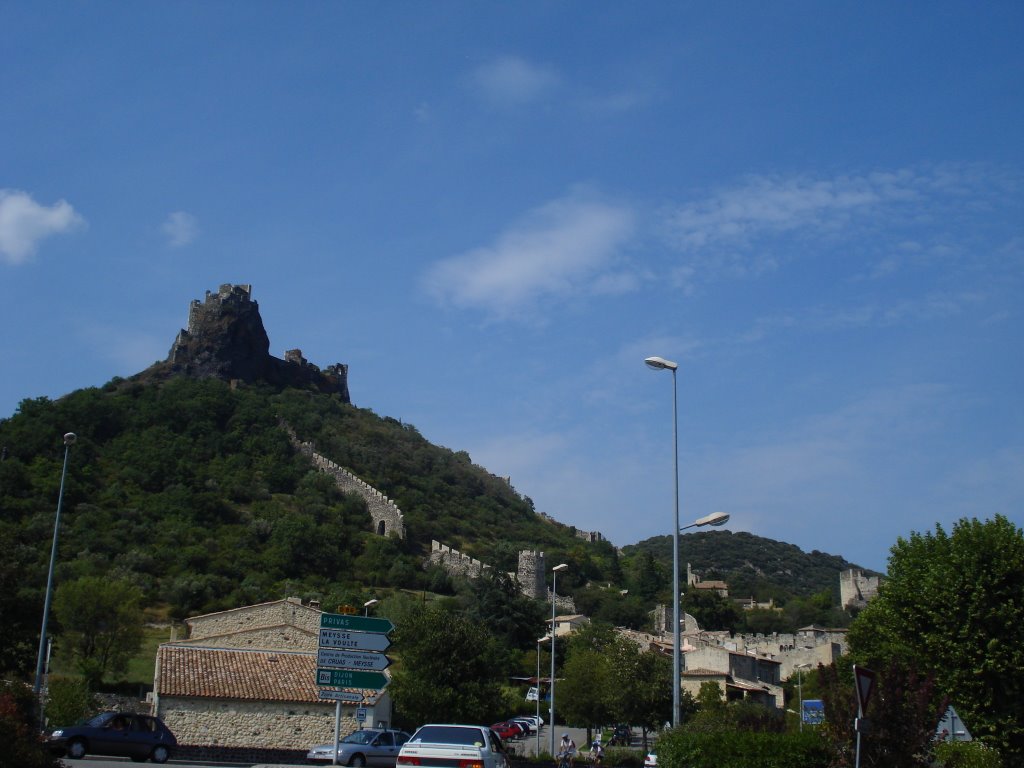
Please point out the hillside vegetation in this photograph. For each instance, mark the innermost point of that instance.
(191, 491)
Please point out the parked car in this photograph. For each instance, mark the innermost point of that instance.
(651, 761)
(509, 729)
(116, 734)
(527, 722)
(370, 746)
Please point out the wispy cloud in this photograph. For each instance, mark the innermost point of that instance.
(512, 81)
(24, 223)
(180, 228)
(765, 205)
(567, 247)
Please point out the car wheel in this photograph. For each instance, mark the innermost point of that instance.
(76, 749)
(160, 754)
(357, 761)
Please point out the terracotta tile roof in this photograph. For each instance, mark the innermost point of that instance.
(238, 674)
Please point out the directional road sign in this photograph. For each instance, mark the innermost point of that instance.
(355, 698)
(351, 678)
(353, 641)
(339, 659)
(358, 623)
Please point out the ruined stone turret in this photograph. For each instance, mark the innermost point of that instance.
(225, 339)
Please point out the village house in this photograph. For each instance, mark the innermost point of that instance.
(244, 679)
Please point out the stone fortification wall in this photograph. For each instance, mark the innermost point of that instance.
(386, 516)
(856, 589)
(530, 574)
(454, 562)
(591, 536)
(275, 614)
(251, 724)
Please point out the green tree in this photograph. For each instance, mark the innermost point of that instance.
(101, 624)
(902, 714)
(449, 666)
(68, 701)
(583, 694)
(952, 607)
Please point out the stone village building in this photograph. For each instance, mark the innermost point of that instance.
(244, 681)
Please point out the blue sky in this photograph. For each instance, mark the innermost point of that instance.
(493, 212)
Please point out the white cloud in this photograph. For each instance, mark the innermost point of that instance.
(24, 222)
(510, 81)
(766, 205)
(180, 228)
(564, 248)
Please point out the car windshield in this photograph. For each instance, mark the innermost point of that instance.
(100, 720)
(359, 737)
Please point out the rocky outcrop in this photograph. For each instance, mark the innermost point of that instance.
(225, 339)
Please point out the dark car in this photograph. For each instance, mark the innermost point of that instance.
(118, 734)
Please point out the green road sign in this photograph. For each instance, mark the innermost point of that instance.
(351, 678)
(358, 623)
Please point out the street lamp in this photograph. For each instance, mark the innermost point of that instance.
(661, 364)
(69, 440)
(800, 691)
(554, 602)
(539, 641)
(367, 604)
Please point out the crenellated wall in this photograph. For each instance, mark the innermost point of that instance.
(387, 517)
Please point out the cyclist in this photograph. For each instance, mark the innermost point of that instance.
(566, 751)
(596, 753)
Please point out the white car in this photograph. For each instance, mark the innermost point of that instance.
(368, 747)
(651, 761)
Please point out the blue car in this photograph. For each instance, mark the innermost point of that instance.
(117, 734)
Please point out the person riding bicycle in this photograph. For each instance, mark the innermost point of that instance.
(566, 751)
(596, 755)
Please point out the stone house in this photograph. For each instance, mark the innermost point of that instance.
(566, 625)
(244, 679)
(739, 675)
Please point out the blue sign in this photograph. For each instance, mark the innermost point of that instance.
(814, 711)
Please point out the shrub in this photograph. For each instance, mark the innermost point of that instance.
(738, 749)
(23, 746)
(967, 754)
(70, 701)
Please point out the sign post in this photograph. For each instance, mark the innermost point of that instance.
(350, 655)
(864, 682)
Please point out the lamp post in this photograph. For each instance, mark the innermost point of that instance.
(554, 602)
(539, 641)
(69, 440)
(716, 518)
(367, 604)
(661, 364)
(800, 691)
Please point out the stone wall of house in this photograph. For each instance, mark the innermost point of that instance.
(252, 724)
(265, 615)
(280, 638)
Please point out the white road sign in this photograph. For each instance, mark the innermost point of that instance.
(341, 659)
(353, 641)
(355, 698)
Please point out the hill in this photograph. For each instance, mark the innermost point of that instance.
(185, 482)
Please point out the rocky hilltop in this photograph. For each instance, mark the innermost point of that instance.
(225, 339)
